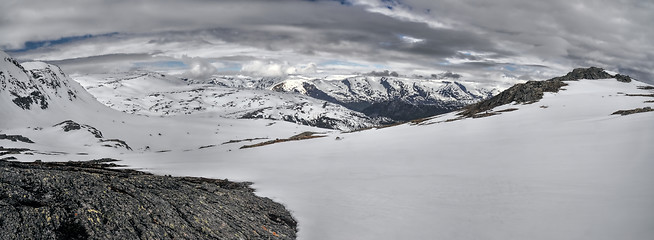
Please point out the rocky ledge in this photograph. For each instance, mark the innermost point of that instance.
(90, 200)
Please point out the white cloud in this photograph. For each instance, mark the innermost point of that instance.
(435, 34)
(199, 68)
(411, 40)
(275, 69)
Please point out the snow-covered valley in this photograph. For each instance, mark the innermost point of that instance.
(560, 168)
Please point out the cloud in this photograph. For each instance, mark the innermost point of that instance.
(408, 35)
(385, 73)
(198, 68)
(275, 69)
(446, 75)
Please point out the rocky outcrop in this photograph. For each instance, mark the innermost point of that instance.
(15, 138)
(528, 92)
(70, 125)
(622, 78)
(533, 91)
(584, 73)
(632, 111)
(88, 200)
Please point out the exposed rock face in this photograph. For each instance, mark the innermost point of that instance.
(632, 111)
(85, 200)
(70, 125)
(622, 78)
(528, 92)
(584, 73)
(15, 138)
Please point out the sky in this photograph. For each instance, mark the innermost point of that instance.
(478, 40)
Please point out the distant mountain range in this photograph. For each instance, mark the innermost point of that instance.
(397, 98)
(346, 104)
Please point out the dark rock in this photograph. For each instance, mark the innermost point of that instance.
(88, 200)
(15, 138)
(632, 111)
(13, 151)
(70, 125)
(259, 113)
(585, 73)
(622, 78)
(528, 92)
(117, 143)
(25, 102)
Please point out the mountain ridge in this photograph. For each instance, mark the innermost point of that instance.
(397, 98)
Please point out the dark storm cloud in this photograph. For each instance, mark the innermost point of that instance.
(303, 27)
(557, 34)
(446, 75)
(103, 63)
(611, 34)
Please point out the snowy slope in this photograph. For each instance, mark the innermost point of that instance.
(561, 168)
(155, 95)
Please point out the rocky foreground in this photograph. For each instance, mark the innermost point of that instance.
(89, 200)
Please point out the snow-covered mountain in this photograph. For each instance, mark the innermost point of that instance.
(36, 91)
(240, 81)
(398, 98)
(155, 94)
(58, 119)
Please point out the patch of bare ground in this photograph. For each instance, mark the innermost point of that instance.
(646, 87)
(301, 136)
(493, 113)
(243, 140)
(639, 95)
(377, 127)
(207, 146)
(632, 111)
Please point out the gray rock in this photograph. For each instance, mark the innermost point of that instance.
(70, 125)
(87, 200)
(633, 111)
(622, 78)
(585, 73)
(15, 138)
